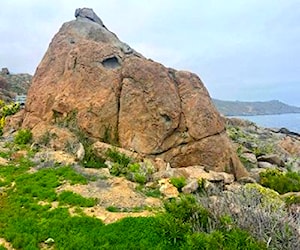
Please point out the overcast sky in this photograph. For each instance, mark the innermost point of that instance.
(242, 49)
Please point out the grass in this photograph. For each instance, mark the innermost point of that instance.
(27, 223)
(149, 191)
(73, 199)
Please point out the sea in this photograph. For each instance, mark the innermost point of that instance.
(289, 121)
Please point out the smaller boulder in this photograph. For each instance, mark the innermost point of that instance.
(100, 149)
(167, 189)
(5, 71)
(80, 152)
(266, 165)
(191, 187)
(247, 179)
(88, 14)
(255, 173)
(250, 157)
(199, 172)
(291, 145)
(273, 159)
(3, 161)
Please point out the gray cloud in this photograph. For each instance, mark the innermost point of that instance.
(243, 50)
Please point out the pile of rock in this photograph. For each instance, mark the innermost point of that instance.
(13, 84)
(264, 148)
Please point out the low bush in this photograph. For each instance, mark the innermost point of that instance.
(91, 160)
(23, 136)
(178, 182)
(118, 157)
(259, 211)
(280, 182)
(133, 171)
(188, 225)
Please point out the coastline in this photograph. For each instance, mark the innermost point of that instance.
(290, 121)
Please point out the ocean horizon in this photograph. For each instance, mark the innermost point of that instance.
(290, 121)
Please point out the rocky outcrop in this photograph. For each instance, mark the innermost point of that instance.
(263, 148)
(13, 84)
(92, 80)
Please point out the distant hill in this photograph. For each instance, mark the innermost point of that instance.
(13, 84)
(236, 108)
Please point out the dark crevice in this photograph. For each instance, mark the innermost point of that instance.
(186, 143)
(111, 63)
(166, 150)
(172, 76)
(118, 98)
(166, 118)
(75, 63)
(176, 84)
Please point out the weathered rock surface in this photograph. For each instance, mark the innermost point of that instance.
(291, 145)
(112, 93)
(191, 187)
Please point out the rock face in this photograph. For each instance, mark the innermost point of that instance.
(115, 94)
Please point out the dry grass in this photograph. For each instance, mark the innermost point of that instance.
(267, 221)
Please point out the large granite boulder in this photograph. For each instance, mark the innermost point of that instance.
(115, 94)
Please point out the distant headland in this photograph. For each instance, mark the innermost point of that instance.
(239, 108)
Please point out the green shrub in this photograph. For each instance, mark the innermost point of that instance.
(118, 157)
(188, 211)
(123, 166)
(70, 198)
(113, 209)
(227, 240)
(91, 160)
(180, 217)
(178, 182)
(292, 199)
(135, 173)
(280, 182)
(140, 178)
(201, 185)
(23, 136)
(187, 225)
